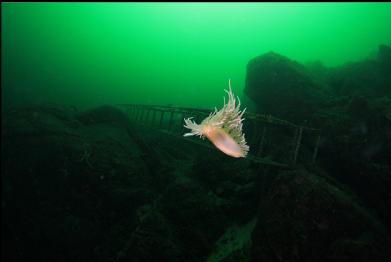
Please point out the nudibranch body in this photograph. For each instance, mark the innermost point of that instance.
(223, 128)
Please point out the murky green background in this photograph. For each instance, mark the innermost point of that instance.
(88, 54)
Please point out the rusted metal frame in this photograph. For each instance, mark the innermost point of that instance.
(138, 112)
(148, 111)
(255, 134)
(141, 118)
(161, 118)
(153, 116)
(258, 117)
(297, 143)
(170, 120)
(262, 142)
(317, 143)
(130, 112)
(134, 112)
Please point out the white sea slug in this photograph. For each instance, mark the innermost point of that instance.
(223, 128)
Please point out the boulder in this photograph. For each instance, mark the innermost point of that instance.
(370, 77)
(281, 87)
(69, 186)
(305, 216)
(384, 56)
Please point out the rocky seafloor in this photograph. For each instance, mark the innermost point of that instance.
(95, 186)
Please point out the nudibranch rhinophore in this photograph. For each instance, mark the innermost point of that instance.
(223, 128)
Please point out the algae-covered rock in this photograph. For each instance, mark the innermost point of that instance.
(82, 182)
(282, 87)
(103, 114)
(370, 77)
(384, 56)
(67, 186)
(197, 214)
(306, 217)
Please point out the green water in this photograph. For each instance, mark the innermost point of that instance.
(88, 54)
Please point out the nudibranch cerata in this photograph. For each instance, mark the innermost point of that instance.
(223, 128)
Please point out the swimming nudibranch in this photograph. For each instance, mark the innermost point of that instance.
(223, 128)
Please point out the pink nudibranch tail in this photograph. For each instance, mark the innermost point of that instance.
(225, 142)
